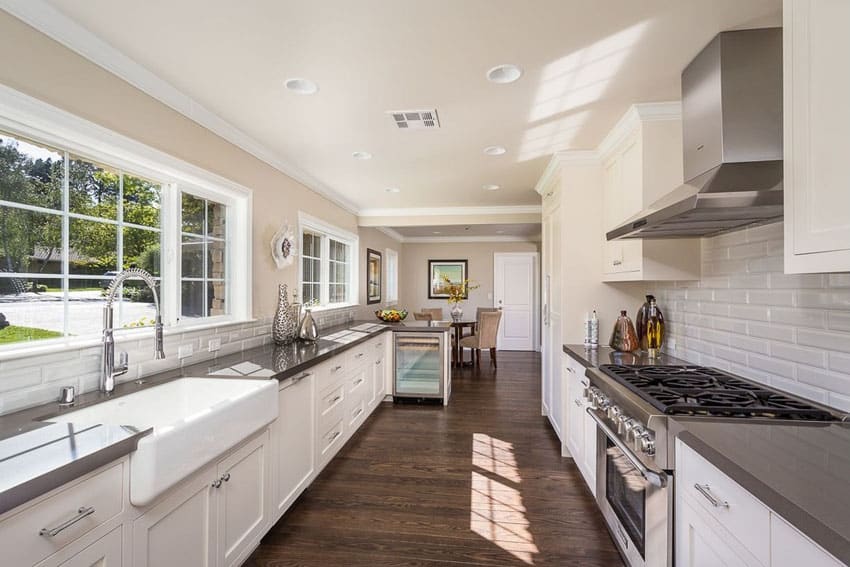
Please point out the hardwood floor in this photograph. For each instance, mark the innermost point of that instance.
(480, 482)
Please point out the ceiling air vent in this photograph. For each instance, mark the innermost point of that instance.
(415, 119)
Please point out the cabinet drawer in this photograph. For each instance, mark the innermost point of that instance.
(331, 440)
(91, 503)
(358, 382)
(330, 399)
(358, 356)
(738, 511)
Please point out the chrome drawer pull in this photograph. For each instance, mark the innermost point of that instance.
(226, 477)
(378, 362)
(335, 400)
(617, 262)
(360, 355)
(706, 491)
(334, 436)
(336, 368)
(585, 383)
(358, 412)
(360, 381)
(577, 402)
(82, 512)
(296, 380)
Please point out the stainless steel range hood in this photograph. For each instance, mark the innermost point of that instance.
(732, 140)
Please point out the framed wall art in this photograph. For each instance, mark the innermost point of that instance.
(439, 270)
(374, 276)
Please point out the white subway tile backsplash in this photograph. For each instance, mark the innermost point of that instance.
(745, 314)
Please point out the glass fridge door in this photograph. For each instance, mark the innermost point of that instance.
(418, 365)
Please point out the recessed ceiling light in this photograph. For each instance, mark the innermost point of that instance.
(491, 187)
(504, 74)
(436, 232)
(495, 150)
(361, 155)
(500, 232)
(302, 86)
(392, 190)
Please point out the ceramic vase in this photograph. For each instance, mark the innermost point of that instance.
(456, 312)
(285, 323)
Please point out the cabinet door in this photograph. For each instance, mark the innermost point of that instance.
(556, 408)
(575, 416)
(241, 498)
(817, 117)
(296, 439)
(105, 552)
(179, 530)
(590, 439)
(790, 548)
(379, 382)
(699, 544)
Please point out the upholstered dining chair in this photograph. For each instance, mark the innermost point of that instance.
(478, 312)
(485, 337)
(436, 313)
(423, 317)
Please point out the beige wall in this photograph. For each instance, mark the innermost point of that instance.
(64, 79)
(376, 240)
(414, 286)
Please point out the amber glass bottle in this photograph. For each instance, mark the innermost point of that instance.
(654, 330)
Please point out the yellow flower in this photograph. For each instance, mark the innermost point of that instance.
(457, 292)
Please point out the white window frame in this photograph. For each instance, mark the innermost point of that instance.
(32, 119)
(392, 275)
(313, 224)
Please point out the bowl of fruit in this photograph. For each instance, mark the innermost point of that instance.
(391, 315)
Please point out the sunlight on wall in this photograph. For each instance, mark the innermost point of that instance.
(497, 513)
(569, 85)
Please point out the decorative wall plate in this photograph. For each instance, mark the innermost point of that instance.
(284, 247)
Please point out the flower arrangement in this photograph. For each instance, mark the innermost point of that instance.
(458, 291)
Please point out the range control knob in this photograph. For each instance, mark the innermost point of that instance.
(625, 425)
(614, 412)
(647, 445)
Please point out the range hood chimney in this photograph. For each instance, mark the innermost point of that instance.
(732, 140)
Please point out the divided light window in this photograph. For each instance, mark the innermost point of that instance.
(327, 266)
(67, 225)
(203, 253)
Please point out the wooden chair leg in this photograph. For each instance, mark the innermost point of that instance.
(478, 356)
(493, 357)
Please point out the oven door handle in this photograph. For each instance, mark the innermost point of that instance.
(658, 479)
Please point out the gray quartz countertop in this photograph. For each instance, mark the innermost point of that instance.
(800, 470)
(592, 358)
(37, 456)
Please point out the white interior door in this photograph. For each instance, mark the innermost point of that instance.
(515, 293)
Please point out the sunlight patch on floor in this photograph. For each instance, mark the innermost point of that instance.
(497, 513)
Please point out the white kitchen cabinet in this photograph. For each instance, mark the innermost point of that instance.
(295, 431)
(379, 372)
(105, 552)
(213, 519)
(719, 523)
(551, 320)
(816, 88)
(790, 548)
(581, 429)
(641, 162)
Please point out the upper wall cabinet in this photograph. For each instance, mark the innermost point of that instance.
(816, 121)
(641, 162)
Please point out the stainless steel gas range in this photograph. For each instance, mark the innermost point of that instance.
(635, 461)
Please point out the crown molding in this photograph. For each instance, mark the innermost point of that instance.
(395, 235)
(467, 239)
(452, 211)
(565, 157)
(632, 119)
(51, 22)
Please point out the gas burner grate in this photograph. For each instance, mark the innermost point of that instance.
(698, 390)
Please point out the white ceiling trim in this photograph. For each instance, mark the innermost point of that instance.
(452, 211)
(56, 25)
(448, 239)
(395, 235)
(575, 157)
(637, 113)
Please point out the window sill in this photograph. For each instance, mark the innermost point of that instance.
(50, 346)
(334, 307)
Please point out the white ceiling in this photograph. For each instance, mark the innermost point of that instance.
(520, 230)
(584, 62)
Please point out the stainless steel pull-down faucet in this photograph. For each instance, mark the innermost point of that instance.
(108, 371)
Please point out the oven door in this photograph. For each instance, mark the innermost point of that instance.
(635, 499)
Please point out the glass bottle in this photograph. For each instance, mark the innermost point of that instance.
(641, 320)
(624, 338)
(654, 330)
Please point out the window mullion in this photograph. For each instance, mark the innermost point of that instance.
(324, 278)
(66, 244)
(170, 300)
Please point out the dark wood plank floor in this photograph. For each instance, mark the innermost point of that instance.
(480, 482)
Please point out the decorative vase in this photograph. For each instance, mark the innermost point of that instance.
(457, 312)
(285, 324)
(624, 338)
(308, 330)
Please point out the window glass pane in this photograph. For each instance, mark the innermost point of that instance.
(192, 299)
(217, 298)
(85, 306)
(312, 245)
(216, 218)
(137, 307)
(33, 309)
(311, 293)
(93, 189)
(30, 241)
(142, 202)
(142, 250)
(338, 251)
(192, 257)
(30, 173)
(193, 214)
(93, 247)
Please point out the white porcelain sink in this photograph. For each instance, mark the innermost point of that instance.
(194, 420)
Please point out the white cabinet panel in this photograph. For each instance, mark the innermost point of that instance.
(296, 438)
(790, 548)
(700, 544)
(817, 117)
(105, 552)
